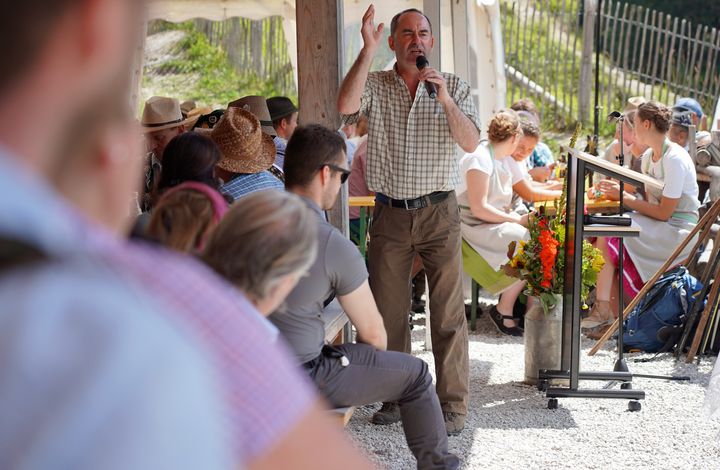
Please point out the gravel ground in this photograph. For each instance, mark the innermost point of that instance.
(509, 425)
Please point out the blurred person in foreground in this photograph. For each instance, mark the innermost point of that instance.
(264, 245)
(130, 357)
(89, 358)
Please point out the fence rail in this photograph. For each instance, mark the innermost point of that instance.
(642, 52)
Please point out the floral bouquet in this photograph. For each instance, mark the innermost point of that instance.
(540, 261)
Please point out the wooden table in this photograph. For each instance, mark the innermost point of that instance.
(363, 202)
(591, 205)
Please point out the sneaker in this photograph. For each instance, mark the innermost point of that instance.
(454, 423)
(389, 413)
(497, 319)
(417, 306)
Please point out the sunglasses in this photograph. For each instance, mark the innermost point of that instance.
(344, 174)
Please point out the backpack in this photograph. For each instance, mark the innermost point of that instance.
(654, 323)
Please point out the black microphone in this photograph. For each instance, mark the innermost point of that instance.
(421, 63)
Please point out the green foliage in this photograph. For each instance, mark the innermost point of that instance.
(201, 71)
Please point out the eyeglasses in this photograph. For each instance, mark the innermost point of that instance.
(344, 174)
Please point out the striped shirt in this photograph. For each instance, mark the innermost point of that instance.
(411, 151)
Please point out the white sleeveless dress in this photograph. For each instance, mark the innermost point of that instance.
(490, 240)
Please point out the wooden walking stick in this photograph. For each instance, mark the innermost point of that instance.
(706, 220)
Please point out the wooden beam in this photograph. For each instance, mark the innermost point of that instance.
(319, 43)
(431, 8)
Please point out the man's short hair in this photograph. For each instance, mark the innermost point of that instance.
(309, 148)
(396, 18)
(24, 29)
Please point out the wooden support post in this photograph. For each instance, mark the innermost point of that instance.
(319, 43)
(586, 66)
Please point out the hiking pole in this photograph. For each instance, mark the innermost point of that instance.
(711, 330)
(702, 323)
(692, 316)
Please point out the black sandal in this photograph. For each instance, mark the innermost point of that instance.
(497, 319)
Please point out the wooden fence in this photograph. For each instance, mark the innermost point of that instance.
(252, 47)
(643, 52)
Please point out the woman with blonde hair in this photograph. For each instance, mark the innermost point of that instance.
(185, 215)
(263, 246)
(666, 216)
(487, 221)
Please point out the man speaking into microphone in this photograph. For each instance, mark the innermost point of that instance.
(412, 167)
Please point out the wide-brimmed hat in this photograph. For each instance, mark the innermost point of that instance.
(162, 113)
(258, 107)
(280, 107)
(634, 102)
(245, 147)
(194, 114)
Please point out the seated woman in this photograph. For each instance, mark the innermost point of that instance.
(540, 163)
(265, 243)
(188, 157)
(487, 222)
(527, 189)
(185, 216)
(665, 217)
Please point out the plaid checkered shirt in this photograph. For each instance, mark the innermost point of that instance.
(244, 184)
(411, 151)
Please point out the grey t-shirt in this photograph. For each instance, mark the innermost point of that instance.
(338, 270)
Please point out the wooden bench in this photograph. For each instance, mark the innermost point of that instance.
(337, 331)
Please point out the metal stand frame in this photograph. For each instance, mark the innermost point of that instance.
(570, 364)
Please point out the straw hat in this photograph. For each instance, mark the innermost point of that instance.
(194, 114)
(245, 148)
(162, 113)
(259, 108)
(634, 103)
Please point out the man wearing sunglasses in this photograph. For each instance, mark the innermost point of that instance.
(363, 372)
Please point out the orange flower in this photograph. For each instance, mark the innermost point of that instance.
(548, 254)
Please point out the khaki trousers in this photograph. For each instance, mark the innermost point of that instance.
(433, 233)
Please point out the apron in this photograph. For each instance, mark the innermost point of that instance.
(488, 239)
(658, 239)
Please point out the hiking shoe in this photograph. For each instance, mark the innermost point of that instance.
(600, 315)
(454, 423)
(389, 413)
(497, 319)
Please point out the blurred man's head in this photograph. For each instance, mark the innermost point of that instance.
(680, 127)
(316, 164)
(67, 64)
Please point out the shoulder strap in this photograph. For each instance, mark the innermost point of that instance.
(16, 253)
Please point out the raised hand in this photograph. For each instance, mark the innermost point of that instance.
(371, 36)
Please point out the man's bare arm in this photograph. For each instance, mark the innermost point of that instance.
(360, 307)
(352, 87)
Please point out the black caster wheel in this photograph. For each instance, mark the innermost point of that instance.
(552, 404)
(626, 386)
(634, 405)
(542, 385)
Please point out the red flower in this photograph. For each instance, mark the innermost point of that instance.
(548, 254)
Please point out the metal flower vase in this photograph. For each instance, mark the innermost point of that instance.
(543, 338)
